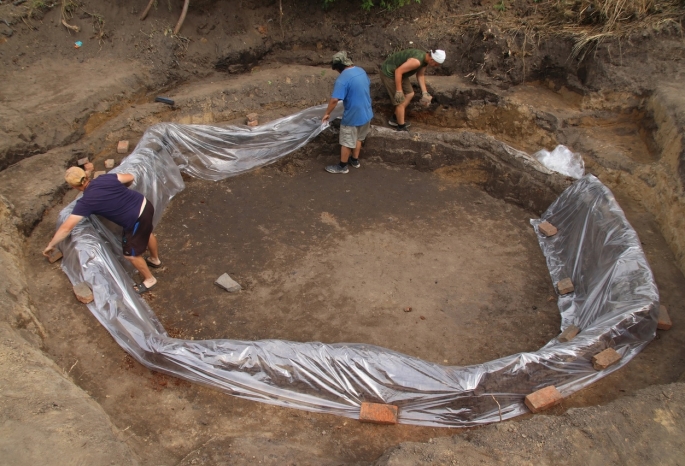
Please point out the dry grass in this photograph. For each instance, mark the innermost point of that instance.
(591, 22)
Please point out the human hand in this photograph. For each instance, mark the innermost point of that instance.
(426, 99)
(47, 251)
(325, 118)
(399, 97)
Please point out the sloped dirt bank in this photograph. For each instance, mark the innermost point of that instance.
(216, 421)
(616, 107)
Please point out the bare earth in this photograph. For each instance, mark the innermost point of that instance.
(422, 262)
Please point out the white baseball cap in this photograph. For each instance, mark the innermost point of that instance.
(438, 55)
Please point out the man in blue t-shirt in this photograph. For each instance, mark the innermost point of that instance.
(353, 88)
(109, 197)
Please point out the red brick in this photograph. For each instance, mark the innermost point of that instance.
(55, 256)
(109, 163)
(565, 286)
(83, 161)
(89, 167)
(543, 399)
(606, 358)
(83, 292)
(568, 334)
(664, 322)
(252, 117)
(378, 413)
(122, 147)
(547, 229)
(252, 123)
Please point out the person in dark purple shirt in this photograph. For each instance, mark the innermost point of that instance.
(109, 197)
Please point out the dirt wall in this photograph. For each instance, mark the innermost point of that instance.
(45, 415)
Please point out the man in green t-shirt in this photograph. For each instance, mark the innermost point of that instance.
(395, 73)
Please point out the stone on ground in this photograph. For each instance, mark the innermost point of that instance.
(227, 283)
(606, 358)
(543, 399)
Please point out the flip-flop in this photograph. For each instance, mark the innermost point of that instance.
(141, 288)
(152, 264)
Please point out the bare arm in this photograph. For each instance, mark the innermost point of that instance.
(126, 178)
(62, 232)
(409, 65)
(331, 106)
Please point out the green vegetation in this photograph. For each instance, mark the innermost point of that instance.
(384, 4)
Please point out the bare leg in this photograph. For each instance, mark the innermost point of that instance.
(345, 154)
(152, 247)
(400, 109)
(140, 265)
(357, 149)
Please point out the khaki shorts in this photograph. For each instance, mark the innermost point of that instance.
(389, 84)
(349, 135)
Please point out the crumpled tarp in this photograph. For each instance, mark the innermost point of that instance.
(562, 160)
(614, 303)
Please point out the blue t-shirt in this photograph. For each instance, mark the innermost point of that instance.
(110, 198)
(353, 88)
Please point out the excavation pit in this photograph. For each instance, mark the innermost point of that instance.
(414, 261)
(309, 317)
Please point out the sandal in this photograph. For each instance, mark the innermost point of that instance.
(141, 288)
(152, 264)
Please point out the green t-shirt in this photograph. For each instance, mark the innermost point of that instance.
(398, 59)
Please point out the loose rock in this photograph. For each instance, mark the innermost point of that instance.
(565, 286)
(664, 322)
(543, 399)
(227, 283)
(83, 292)
(568, 334)
(122, 147)
(378, 413)
(606, 358)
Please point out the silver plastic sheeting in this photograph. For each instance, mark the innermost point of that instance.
(614, 304)
(562, 160)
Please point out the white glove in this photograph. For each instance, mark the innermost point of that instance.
(399, 97)
(426, 99)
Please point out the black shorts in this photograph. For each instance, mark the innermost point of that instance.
(134, 241)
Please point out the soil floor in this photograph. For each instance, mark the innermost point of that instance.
(298, 239)
(424, 263)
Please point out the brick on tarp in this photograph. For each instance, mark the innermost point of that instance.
(55, 255)
(227, 283)
(606, 358)
(109, 163)
(568, 334)
(83, 161)
(664, 322)
(547, 229)
(122, 147)
(83, 292)
(378, 413)
(543, 399)
(565, 286)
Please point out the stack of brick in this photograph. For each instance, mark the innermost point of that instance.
(252, 119)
